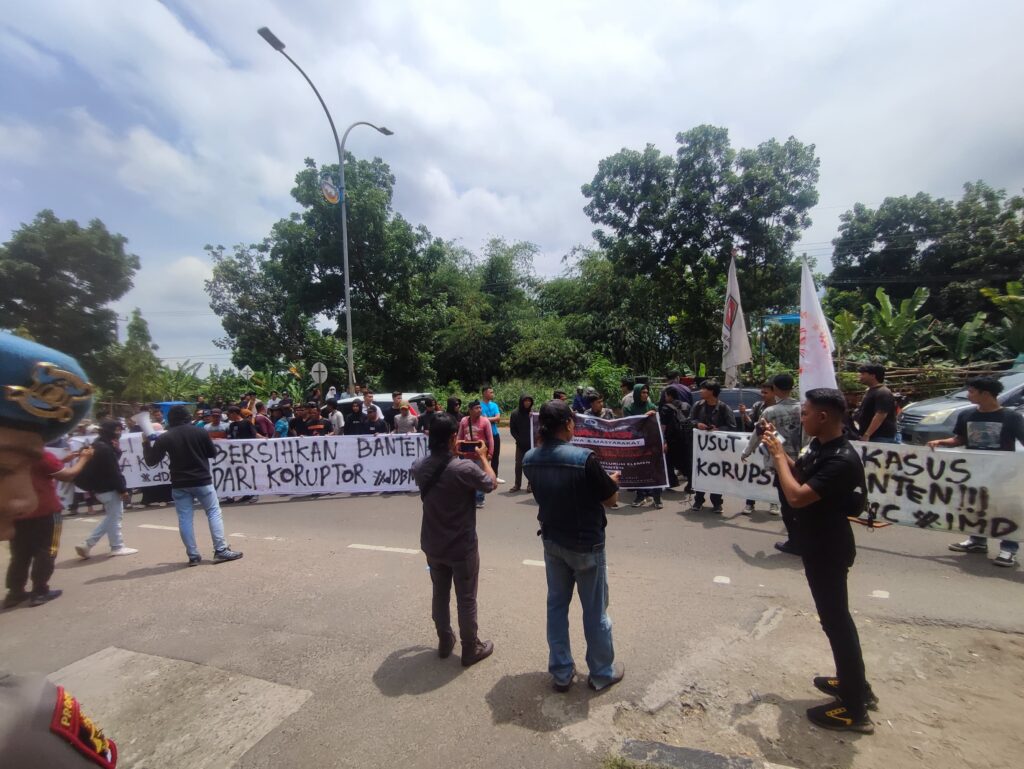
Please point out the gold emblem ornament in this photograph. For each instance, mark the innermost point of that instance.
(52, 394)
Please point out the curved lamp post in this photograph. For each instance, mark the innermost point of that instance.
(278, 46)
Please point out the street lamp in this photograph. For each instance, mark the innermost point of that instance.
(274, 42)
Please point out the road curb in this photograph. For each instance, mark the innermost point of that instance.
(658, 754)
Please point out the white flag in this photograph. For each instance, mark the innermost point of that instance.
(735, 342)
(816, 345)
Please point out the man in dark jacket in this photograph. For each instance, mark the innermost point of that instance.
(573, 491)
(190, 450)
(102, 476)
(674, 413)
(520, 425)
(448, 485)
(711, 414)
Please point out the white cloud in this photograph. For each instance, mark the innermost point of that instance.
(501, 111)
(20, 142)
(31, 60)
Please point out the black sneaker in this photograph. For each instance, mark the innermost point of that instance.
(1006, 559)
(560, 687)
(13, 599)
(969, 546)
(40, 598)
(835, 715)
(716, 509)
(445, 646)
(831, 686)
(787, 547)
(227, 554)
(194, 560)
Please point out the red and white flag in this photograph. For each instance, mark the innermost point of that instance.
(816, 345)
(735, 342)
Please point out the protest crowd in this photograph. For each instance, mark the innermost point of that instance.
(819, 482)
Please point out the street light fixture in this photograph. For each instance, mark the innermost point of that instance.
(274, 42)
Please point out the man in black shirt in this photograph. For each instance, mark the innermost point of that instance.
(297, 424)
(710, 414)
(425, 419)
(824, 486)
(239, 427)
(315, 424)
(989, 427)
(876, 417)
(190, 450)
(392, 410)
(573, 491)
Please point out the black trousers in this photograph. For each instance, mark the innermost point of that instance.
(33, 548)
(466, 576)
(497, 453)
(520, 453)
(827, 579)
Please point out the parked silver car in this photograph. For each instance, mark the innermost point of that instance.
(935, 418)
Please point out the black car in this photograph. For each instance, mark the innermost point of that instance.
(733, 396)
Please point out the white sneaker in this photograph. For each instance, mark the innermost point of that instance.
(124, 551)
(773, 509)
(501, 480)
(748, 510)
(82, 550)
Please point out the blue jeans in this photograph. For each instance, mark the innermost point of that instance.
(878, 439)
(207, 497)
(1011, 547)
(111, 524)
(589, 573)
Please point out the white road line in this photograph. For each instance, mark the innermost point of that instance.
(82, 520)
(528, 562)
(155, 526)
(880, 594)
(381, 548)
(721, 580)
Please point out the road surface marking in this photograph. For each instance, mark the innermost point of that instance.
(528, 562)
(81, 520)
(381, 548)
(721, 580)
(240, 535)
(880, 594)
(155, 526)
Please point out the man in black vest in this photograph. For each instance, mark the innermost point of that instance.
(573, 491)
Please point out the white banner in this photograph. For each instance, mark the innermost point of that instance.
(959, 491)
(321, 465)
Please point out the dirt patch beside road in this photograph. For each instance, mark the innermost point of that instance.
(949, 697)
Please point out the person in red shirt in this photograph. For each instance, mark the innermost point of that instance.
(37, 536)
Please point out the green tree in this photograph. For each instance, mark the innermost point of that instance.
(957, 248)
(674, 222)
(141, 366)
(56, 280)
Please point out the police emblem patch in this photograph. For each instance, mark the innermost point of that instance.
(78, 729)
(52, 393)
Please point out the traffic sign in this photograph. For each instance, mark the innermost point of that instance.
(247, 372)
(319, 373)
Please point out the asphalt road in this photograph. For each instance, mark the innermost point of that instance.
(330, 650)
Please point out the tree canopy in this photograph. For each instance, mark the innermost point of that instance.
(57, 279)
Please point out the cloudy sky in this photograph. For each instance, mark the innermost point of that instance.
(178, 126)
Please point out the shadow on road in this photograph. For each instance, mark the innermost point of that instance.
(148, 571)
(799, 743)
(527, 700)
(415, 670)
(772, 560)
(972, 563)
